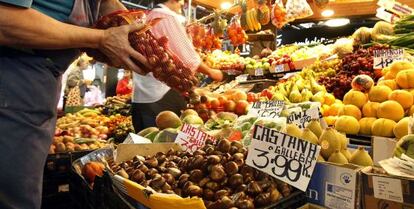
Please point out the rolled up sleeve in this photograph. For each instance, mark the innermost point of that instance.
(179, 43)
(20, 3)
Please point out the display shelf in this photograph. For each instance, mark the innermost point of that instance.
(261, 37)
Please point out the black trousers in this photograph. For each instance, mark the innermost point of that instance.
(144, 114)
(29, 89)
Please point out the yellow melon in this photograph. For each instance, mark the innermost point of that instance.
(366, 125)
(370, 109)
(411, 112)
(330, 120)
(350, 110)
(334, 109)
(356, 98)
(403, 97)
(405, 79)
(329, 98)
(390, 83)
(401, 128)
(379, 93)
(383, 127)
(398, 66)
(347, 124)
(391, 110)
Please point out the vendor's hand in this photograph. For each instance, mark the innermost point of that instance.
(115, 45)
(216, 75)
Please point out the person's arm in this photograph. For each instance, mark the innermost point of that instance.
(26, 27)
(182, 46)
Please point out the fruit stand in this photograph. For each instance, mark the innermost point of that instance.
(286, 125)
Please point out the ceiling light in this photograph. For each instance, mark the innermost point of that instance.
(327, 12)
(225, 5)
(337, 22)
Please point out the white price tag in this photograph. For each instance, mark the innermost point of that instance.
(387, 189)
(302, 119)
(266, 109)
(280, 68)
(242, 78)
(384, 57)
(284, 157)
(191, 138)
(258, 72)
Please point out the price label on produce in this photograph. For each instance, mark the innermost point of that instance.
(280, 68)
(384, 57)
(191, 138)
(258, 72)
(282, 156)
(266, 109)
(303, 118)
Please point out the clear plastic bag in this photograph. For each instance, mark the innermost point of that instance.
(278, 14)
(235, 32)
(298, 9)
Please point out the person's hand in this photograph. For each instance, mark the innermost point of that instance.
(115, 45)
(216, 75)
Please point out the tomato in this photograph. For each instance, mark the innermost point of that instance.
(251, 97)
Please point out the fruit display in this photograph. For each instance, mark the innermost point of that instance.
(326, 68)
(117, 105)
(120, 126)
(225, 61)
(216, 173)
(197, 33)
(212, 40)
(166, 67)
(252, 65)
(359, 62)
(380, 110)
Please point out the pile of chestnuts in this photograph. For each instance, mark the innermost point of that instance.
(217, 173)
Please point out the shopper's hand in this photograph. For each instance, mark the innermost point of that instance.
(216, 75)
(115, 45)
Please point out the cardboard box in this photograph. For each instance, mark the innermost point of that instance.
(385, 191)
(300, 64)
(335, 186)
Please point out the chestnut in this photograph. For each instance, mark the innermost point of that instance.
(246, 170)
(170, 164)
(157, 182)
(151, 162)
(194, 190)
(224, 145)
(183, 179)
(209, 150)
(213, 159)
(175, 172)
(166, 187)
(123, 173)
(204, 181)
(138, 176)
(217, 173)
(221, 193)
(233, 150)
(262, 200)
(151, 172)
(197, 162)
(217, 205)
(168, 178)
(212, 185)
(178, 191)
(196, 175)
(236, 144)
(245, 204)
(143, 168)
(241, 188)
(254, 188)
(231, 168)
(199, 152)
(208, 194)
(235, 180)
(274, 194)
(227, 201)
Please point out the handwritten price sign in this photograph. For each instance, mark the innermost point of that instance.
(267, 109)
(384, 57)
(302, 119)
(191, 138)
(284, 157)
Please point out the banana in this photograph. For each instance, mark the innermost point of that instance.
(249, 20)
(255, 20)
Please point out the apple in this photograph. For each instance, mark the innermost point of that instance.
(239, 95)
(230, 106)
(251, 97)
(222, 100)
(241, 107)
(214, 103)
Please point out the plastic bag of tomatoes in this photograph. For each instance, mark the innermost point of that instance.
(279, 14)
(235, 32)
(165, 66)
(211, 41)
(197, 33)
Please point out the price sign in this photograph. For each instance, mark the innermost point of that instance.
(258, 72)
(284, 157)
(191, 138)
(267, 109)
(242, 78)
(302, 119)
(280, 68)
(384, 57)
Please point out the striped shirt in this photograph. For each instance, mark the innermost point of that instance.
(146, 88)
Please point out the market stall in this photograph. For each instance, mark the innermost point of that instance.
(319, 124)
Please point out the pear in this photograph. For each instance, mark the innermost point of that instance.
(343, 139)
(293, 130)
(295, 96)
(318, 97)
(278, 96)
(306, 95)
(309, 136)
(346, 153)
(329, 142)
(361, 157)
(337, 157)
(315, 127)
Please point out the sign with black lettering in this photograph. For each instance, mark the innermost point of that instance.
(191, 138)
(384, 57)
(282, 156)
(266, 109)
(302, 119)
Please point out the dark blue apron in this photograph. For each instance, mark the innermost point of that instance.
(30, 82)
